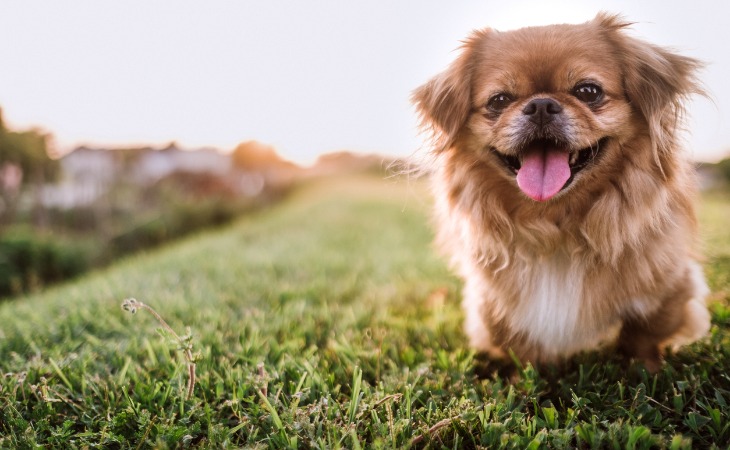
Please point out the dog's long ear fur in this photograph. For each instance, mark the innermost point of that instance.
(444, 101)
(657, 83)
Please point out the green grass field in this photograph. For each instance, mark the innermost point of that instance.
(328, 321)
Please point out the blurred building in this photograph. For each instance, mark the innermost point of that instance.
(86, 174)
(153, 165)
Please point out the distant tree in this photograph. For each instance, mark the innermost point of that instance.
(724, 168)
(24, 153)
(254, 156)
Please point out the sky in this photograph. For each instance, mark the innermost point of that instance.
(307, 77)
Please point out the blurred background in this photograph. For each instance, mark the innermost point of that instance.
(124, 125)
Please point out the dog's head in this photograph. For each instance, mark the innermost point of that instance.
(545, 104)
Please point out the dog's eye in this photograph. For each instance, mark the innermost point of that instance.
(588, 92)
(499, 102)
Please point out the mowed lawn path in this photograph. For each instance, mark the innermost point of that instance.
(329, 321)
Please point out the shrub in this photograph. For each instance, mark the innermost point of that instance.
(29, 261)
(79, 219)
(724, 168)
(176, 222)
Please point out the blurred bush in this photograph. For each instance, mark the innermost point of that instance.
(127, 220)
(81, 219)
(30, 261)
(178, 221)
(724, 168)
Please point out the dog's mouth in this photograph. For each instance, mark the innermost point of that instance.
(544, 168)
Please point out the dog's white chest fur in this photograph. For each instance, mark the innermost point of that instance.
(550, 306)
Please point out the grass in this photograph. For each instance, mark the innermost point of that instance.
(328, 322)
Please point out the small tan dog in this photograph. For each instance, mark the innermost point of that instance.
(562, 194)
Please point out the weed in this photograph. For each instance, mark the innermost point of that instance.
(185, 342)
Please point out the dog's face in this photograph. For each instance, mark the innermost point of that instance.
(547, 112)
(546, 105)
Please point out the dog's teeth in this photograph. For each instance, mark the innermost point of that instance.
(573, 157)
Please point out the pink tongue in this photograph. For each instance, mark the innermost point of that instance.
(543, 173)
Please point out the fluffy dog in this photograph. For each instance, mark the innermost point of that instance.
(562, 194)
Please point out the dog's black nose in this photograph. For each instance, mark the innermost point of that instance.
(542, 110)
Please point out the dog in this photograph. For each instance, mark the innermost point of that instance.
(562, 194)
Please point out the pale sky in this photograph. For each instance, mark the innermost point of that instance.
(305, 76)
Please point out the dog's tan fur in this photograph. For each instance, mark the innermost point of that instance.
(612, 256)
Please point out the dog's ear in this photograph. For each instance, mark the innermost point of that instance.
(657, 82)
(444, 102)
